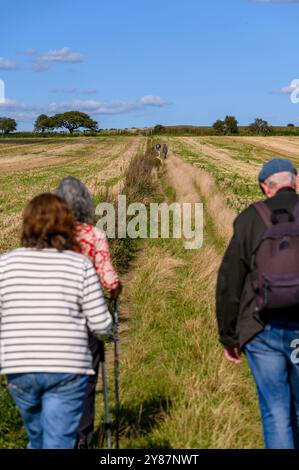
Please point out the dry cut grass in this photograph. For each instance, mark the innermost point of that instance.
(177, 390)
(92, 161)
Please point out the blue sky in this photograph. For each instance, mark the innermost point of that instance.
(143, 62)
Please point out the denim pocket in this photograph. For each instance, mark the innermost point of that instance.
(67, 381)
(259, 342)
(19, 387)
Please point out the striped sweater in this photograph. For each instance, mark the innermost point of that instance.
(48, 301)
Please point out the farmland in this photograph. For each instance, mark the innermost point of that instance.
(27, 169)
(177, 391)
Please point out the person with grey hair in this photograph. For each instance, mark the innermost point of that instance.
(257, 300)
(94, 245)
(78, 197)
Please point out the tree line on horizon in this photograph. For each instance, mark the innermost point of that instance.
(229, 126)
(74, 120)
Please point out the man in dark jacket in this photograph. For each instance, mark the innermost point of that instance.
(269, 338)
(164, 151)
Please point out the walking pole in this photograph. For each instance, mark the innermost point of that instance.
(106, 397)
(116, 370)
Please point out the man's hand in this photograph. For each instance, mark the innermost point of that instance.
(233, 354)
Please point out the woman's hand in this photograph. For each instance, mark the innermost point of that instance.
(115, 293)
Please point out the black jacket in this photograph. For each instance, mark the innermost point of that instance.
(237, 319)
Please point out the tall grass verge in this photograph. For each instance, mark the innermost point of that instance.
(177, 391)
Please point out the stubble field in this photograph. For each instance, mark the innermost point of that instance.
(177, 391)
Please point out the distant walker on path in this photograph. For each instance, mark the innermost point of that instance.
(164, 151)
(158, 149)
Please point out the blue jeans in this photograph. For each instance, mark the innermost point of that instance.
(51, 406)
(274, 361)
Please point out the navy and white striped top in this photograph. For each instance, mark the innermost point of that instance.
(48, 301)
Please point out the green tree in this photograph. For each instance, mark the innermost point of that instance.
(159, 129)
(7, 125)
(230, 125)
(218, 126)
(259, 126)
(73, 120)
(43, 123)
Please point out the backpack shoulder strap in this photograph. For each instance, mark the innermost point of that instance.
(264, 212)
(296, 211)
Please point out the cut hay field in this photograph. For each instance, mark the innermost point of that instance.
(31, 167)
(234, 161)
(176, 389)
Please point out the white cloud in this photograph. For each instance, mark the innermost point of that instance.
(6, 64)
(61, 55)
(150, 100)
(99, 107)
(25, 113)
(9, 104)
(19, 111)
(289, 89)
(93, 106)
(24, 116)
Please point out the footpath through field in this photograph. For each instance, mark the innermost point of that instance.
(177, 390)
